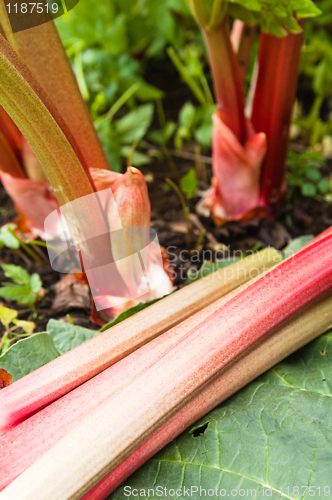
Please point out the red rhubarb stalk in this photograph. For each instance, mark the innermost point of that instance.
(10, 131)
(184, 371)
(9, 163)
(281, 344)
(227, 79)
(242, 38)
(53, 380)
(278, 63)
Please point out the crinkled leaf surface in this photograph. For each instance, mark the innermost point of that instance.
(66, 336)
(273, 438)
(28, 355)
(273, 14)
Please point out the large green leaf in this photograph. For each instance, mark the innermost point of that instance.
(66, 336)
(272, 439)
(28, 355)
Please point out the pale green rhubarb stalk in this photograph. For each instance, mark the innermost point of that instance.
(42, 51)
(53, 380)
(215, 348)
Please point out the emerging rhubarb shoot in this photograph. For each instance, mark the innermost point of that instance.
(240, 188)
(41, 387)
(214, 348)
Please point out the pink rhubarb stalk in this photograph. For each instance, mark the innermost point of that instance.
(41, 387)
(284, 342)
(278, 63)
(162, 390)
(138, 261)
(28, 441)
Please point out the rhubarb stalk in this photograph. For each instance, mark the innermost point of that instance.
(278, 63)
(8, 162)
(26, 102)
(53, 380)
(29, 440)
(285, 341)
(183, 372)
(242, 38)
(227, 79)
(42, 51)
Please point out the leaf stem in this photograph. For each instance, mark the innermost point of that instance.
(185, 208)
(122, 100)
(28, 250)
(187, 76)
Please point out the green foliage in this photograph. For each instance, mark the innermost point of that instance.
(7, 239)
(189, 183)
(315, 65)
(8, 318)
(274, 15)
(66, 336)
(194, 122)
(24, 289)
(110, 46)
(272, 439)
(296, 245)
(305, 174)
(28, 354)
(118, 136)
